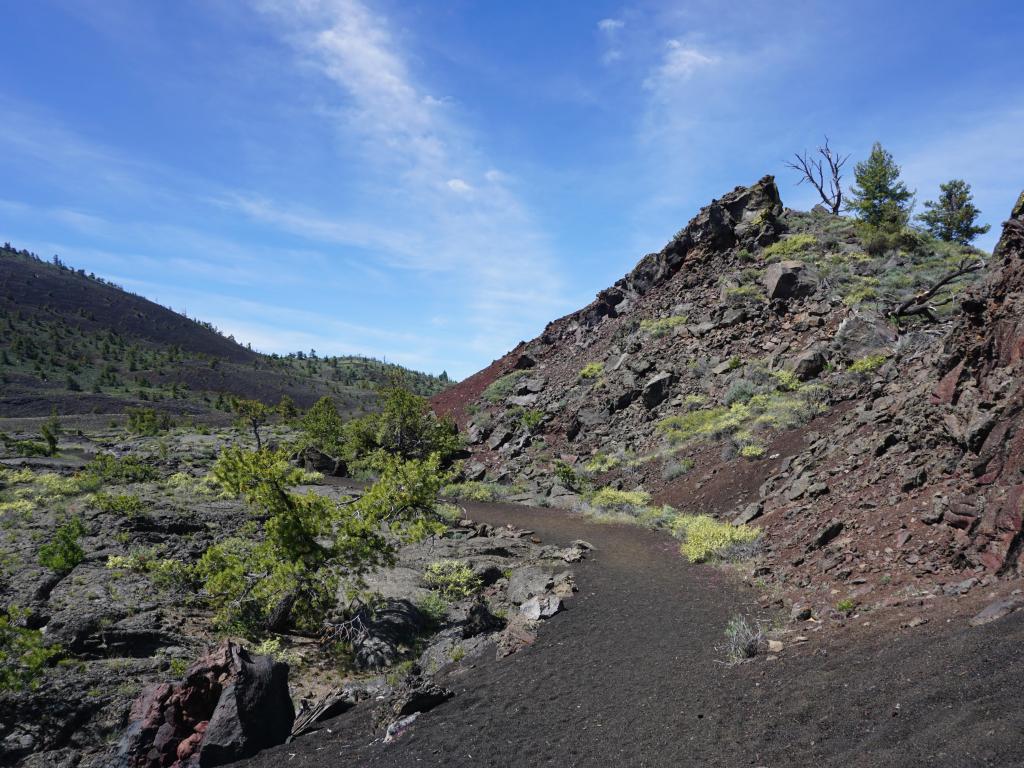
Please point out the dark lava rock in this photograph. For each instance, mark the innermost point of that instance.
(229, 706)
(787, 280)
(657, 388)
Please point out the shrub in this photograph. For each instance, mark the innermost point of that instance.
(63, 552)
(846, 605)
(23, 652)
(786, 380)
(148, 421)
(602, 462)
(127, 504)
(743, 639)
(323, 428)
(434, 608)
(110, 469)
(499, 389)
(531, 419)
(673, 469)
(164, 572)
(867, 364)
(620, 501)
(591, 370)
(705, 538)
(472, 490)
(309, 541)
(662, 326)
(752, 451)
(452, 579)
(740, 391)
(405, 428)
(788, 247)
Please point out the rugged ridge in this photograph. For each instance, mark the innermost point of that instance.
(751, 370)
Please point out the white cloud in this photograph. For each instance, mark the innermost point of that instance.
(680, 63)
(459, 186)
(610, 26)
(414, 139)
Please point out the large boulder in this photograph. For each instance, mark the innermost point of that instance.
(230, 705)
(788, 280)
(657, 388)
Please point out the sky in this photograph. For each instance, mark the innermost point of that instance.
(432, 182)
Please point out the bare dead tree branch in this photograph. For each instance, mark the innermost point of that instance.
(918, 304)
(812, 170)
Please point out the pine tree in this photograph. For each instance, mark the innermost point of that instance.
(952, 216)
(879, 197)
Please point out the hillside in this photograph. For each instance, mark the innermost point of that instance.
(83, 345)
(759, 369)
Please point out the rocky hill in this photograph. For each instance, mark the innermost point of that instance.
(764, 368)
(84, 345)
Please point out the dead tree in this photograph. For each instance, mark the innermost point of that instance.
(919, 304)
(812, 170)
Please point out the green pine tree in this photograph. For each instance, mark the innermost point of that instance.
(878, 196)
(952, 217)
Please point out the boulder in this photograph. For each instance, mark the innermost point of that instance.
(787, 280)
(315, 460)
(808, 364)
(230, 705)
(657, 388)
(861, 335)
(540, 607)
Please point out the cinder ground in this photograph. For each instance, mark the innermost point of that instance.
(629, 675)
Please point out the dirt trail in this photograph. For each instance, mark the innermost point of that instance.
(629, 675)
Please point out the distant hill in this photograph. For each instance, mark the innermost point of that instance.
(82, 344)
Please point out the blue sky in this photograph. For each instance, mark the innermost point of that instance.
(431, 182)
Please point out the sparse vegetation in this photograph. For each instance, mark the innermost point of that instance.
(661, 326)
(451, 579)
(705, 538)
(24, 654)
(743, 639)
(789, 247)
(63, 552)
(592, 370)
(867, 364)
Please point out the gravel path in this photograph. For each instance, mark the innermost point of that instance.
(629, 675)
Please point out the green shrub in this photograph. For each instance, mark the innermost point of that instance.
(788, 247)
(602, 462)
(406, 428)
(500, 389)
(705, 538)
(323, 428)
(148, 421)
(656, 328)
(867, 364)
(23, 652)
(531, 419)
(63, 552)
(752, 451)
(786, 380)
(591, 370)
(434, 607)
(110, 469)
(163, 571)
(452, 579)
(615, 500)
(846, 605)
(472, 490)
(127, 504)
(309, 542)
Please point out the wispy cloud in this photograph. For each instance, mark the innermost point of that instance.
(680, 63)
(610, 29)
(461, 215)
